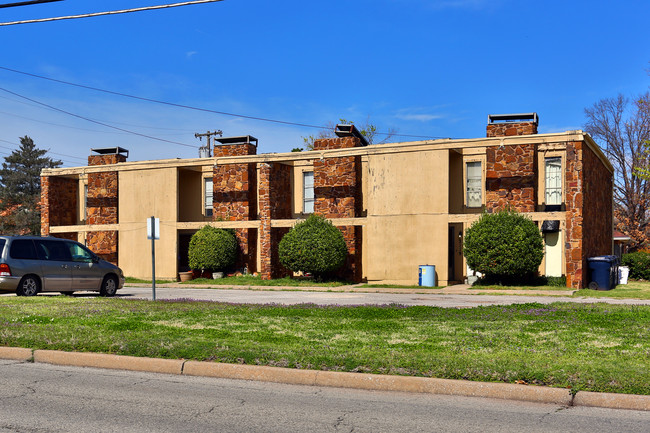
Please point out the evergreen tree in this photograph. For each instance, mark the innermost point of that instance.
(20, 188)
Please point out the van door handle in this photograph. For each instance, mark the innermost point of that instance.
(64, 266)
(77, 266)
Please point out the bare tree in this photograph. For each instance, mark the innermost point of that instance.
(622, 127)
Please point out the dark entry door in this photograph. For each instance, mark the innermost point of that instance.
(452, 254)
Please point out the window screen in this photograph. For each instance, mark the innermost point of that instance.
(553, 180)
(308, 192)
(474, 184)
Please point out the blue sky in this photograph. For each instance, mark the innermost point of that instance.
(426, 68)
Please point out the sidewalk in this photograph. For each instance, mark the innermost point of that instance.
(459, 289)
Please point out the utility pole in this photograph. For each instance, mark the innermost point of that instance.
(207, 148)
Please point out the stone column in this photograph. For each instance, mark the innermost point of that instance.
(234, 199)
(102, 206)
(59, 204)
(511, 177)
(274, 203)
(337, 192)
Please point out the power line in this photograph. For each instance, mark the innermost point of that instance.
(156, 101)
(97, 14)
(189, 107)
(95, 121)
(25, 3)
(54, 153)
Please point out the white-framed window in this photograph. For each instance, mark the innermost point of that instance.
(474, 184)
(553, 181)
(207, 196)
(308, 192)
(85, 201)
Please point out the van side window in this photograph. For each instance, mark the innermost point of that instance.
(54, 250)
(79, 253)
(23, 249)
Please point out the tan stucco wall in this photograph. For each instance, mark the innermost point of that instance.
(144, 194)
(407, 199)
(190, 198)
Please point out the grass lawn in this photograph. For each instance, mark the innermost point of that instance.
(596, 347)
(396, 286)
(248, 280)
(497, 287)
(631, 290)
(141, 281)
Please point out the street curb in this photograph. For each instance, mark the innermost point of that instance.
(335, 379)
(379, 382)
(114, 362)
(612, 401)
(16, 353)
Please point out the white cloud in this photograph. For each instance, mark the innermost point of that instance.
(419, 117)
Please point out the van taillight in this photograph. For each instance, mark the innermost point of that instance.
(4, 270)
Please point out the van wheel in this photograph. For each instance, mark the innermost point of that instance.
(28, 286)
(109, 287)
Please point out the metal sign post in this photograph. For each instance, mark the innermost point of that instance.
(153, 233)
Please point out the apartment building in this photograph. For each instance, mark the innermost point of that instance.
(398, 205)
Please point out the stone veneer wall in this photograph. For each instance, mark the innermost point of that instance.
(234, 198)
(275, 203)
(102, 207)
(588, 211)
(59, 204)
(507, 129)
(511, 176)
(337, 193)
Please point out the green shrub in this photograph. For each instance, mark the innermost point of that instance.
(212, 249)
(504, 246)
(556, 281)
(639, 264)
(314, 246)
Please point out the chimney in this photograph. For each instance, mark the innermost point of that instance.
(346, 136)
(507, 125)
(235, 146)
(108, 155)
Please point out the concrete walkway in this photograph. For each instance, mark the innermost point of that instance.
(452, 297)
(459, 289)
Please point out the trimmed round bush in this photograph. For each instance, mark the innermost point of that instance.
(504, 246)
(639, 264)
(314, 246)
(212, 249)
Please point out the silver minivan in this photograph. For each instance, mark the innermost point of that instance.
(30, 264)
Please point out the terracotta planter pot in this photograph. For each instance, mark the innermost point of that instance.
(185, 276)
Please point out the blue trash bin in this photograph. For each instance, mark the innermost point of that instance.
(427, 276)
(603, 272)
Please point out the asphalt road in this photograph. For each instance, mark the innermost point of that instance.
(41, 397)
(345, 298)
